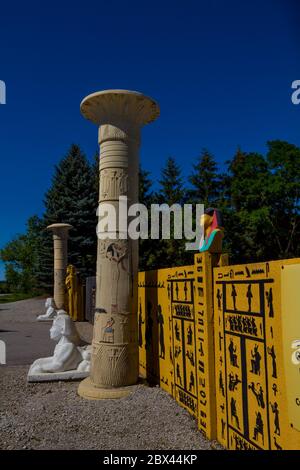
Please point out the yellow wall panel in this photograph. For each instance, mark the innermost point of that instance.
(155, 332)
(250, 373)
(181, 286)
(218, 339)
(205, 342)
(291, 340)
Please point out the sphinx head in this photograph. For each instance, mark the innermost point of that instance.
(50, 302)
(63, 326)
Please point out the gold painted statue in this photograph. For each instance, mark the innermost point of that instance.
(213, 231)
(74, 294)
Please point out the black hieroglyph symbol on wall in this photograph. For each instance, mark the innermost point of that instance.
(183, 309)
(233, 382)
(275, 389)
(259, 427)
(220, 341)
(249, 297)
(141, 322)
(275, 411)
(241, 444)
(232, 354)
(233, 412)
(201, 352)
(255, 361)
(258, 393)
(177, 333)
(242, 324)
(185, 291)
(269, 296)
(192, 382)
(169, 290)
(278, 447)
(177, 290)
(253, 329)
(190, 356)
(271, 352)
(177, 351)
(233, 295)
(221, 384)
(219, 298)
(178, 375)
(223, 427)
(160, 320)
(190, 336)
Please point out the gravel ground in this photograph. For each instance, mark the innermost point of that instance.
(53, 416)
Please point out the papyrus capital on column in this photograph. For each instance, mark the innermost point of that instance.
(110, 132)
(60, 230)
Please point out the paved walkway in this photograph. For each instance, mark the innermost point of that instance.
(27, 339)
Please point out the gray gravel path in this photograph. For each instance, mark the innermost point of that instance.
(53, 416)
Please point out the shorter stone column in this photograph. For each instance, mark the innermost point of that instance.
(60, 240)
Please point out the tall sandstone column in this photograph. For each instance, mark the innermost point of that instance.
(119, 114)
(60, 240)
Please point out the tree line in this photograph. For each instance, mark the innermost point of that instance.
(257, 194)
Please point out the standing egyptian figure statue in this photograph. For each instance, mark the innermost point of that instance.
(74, 294)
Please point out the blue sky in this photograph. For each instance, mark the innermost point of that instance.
(220, 70)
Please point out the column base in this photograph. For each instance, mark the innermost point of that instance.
(89, 391)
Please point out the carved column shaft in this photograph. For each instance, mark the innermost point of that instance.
(119, 115)
(115, 341)
(60, 241)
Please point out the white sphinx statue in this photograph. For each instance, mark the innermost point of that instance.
(50, 310)
(69, 361)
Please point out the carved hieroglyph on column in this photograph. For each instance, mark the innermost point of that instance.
(119, 114)
(60, 240)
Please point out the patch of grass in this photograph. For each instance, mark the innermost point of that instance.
(6, 298)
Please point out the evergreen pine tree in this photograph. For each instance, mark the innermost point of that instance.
(146, 197)
(171, 184)
(205, 180)
(145, 185)
(170, 252)
(72, 199)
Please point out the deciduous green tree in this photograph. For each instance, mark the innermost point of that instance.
(21, 258)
